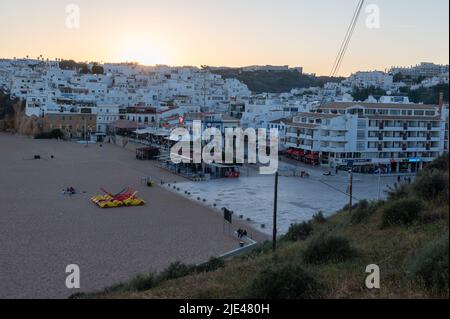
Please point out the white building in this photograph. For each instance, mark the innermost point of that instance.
(366, 80)
(399, 137)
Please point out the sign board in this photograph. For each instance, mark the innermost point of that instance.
(228, 215)
(414, 160)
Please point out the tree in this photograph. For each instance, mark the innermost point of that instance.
(97, 69)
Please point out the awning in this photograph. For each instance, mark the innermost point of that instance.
(312, 156)
(296, 152)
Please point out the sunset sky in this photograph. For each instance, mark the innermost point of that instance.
(228, 32)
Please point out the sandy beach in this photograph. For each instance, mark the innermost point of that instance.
(42, 231)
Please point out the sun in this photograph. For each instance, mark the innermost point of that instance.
(142, 50)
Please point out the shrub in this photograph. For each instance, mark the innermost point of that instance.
(363, 211)
(319, 218)
(211, 265)
(284, 282)
(176, 270)
(328, 250)
(440, 163)
(398, 191)
(142, 282)
(401, 212)
(347, 206)
(299, 231)
(431, 184)
(430, 265)
(260, 249)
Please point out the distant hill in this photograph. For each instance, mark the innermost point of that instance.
(275, 81)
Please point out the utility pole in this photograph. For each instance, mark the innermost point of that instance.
(379, 182)
(275, 207)
(350, 190)
(85, 131)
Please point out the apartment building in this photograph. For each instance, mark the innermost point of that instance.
(376, 79)
(395, 137)
(424, 69)
(73, 126)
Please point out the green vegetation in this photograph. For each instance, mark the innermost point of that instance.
(401, 212)
(406, 236)
(143, 282)
(363, 211)
(81, 67)
(97, 69)
(363, 94)
(284, 281)
(427, 95)
(319, 218)
(328, 250)
(430, 264)
(299, 231)
(275, 81)
(421, 95)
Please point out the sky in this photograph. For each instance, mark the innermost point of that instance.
(305, 33)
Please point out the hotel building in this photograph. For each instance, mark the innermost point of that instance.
(394, 137)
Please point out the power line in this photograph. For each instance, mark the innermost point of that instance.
(337, 189)
(351, 32)
(345, 43)
(347, 38)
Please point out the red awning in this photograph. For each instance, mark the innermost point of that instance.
(296, 152)
(312, 156)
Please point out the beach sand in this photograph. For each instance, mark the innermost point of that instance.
(42, 231)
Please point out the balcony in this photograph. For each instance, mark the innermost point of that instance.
(336, 138)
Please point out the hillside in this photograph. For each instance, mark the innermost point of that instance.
(428, 95)
(274, 81)
(406, 236)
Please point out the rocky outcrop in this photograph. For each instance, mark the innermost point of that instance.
(18, 122)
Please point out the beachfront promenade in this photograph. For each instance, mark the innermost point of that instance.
(42, 231)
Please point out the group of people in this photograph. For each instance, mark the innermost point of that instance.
(407, 179)
(242, 233)
(69, 191)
